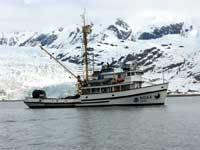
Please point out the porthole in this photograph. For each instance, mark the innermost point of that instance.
(157, 96)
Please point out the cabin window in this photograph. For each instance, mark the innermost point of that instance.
(103, 90)
(139, 73)
(86, 91)
(100, 77)
(128, 74)
(106, 90)
(95, 90)
(133, 73)
(125, 87)
(116, 88)
(109, 90)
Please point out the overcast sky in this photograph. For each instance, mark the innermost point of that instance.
(35, 15)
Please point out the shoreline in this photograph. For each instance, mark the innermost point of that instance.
(182, 95)
(11, 101)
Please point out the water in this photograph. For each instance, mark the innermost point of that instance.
(175, 126)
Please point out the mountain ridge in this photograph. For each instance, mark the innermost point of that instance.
(169, 48)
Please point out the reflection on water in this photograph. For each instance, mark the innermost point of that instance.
(173, 126)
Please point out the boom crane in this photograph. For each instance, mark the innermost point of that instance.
(77, 77)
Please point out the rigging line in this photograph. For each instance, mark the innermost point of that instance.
(59, 62)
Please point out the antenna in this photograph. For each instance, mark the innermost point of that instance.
(84, 14)
(93, 63)
(163, 76)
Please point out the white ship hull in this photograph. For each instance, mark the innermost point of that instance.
(151, 95)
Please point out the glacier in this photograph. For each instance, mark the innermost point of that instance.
(26, 69)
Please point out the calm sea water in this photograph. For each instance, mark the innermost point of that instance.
(175, 126)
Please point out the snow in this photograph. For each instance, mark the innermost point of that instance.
(26, 68)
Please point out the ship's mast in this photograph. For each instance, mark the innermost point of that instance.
(86, 29)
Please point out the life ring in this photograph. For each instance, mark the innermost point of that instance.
(119, 80)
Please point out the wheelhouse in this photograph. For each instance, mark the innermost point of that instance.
(108, 81)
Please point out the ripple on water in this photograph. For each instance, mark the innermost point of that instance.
(8, 121)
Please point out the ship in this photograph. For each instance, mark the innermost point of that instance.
(103, 87)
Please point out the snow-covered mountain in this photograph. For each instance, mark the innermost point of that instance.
(170, 47)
